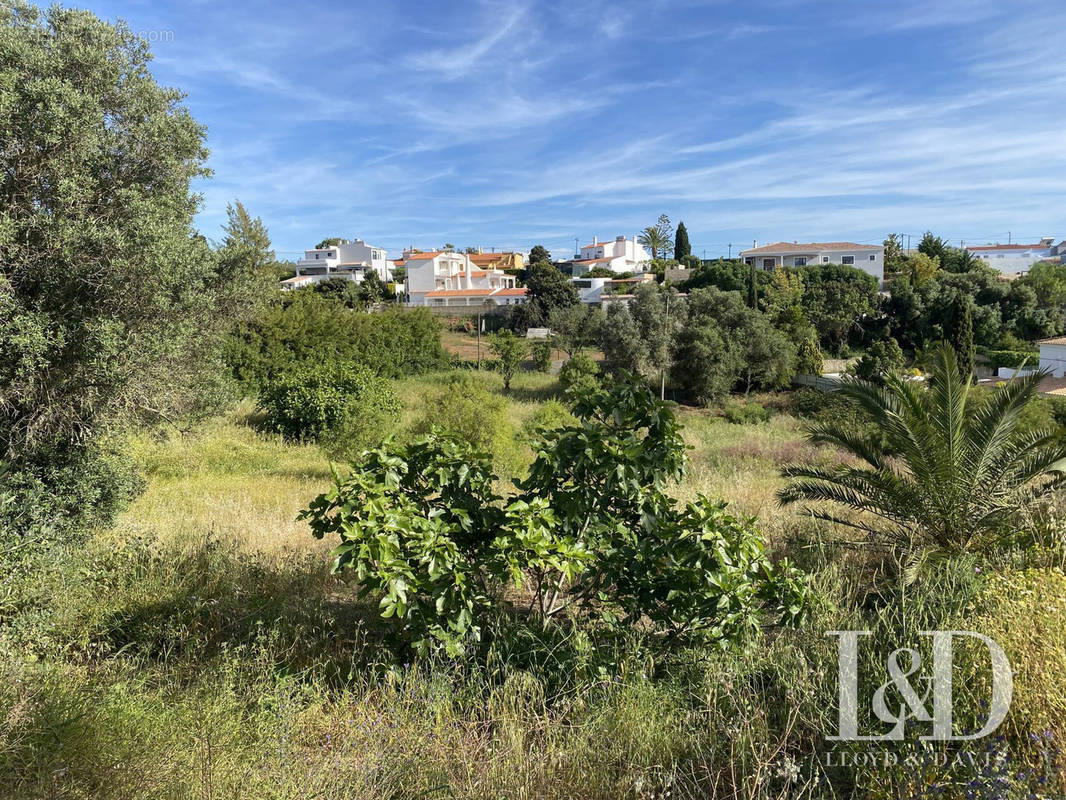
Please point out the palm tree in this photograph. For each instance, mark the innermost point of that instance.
(952, 470)
(654, 239)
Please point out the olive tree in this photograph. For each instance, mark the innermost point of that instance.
(111, 304)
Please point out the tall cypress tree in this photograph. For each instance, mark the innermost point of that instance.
(753, 289)
(962, 335)
(681, 246)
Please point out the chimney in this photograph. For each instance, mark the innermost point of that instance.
(595, 241)
(468, 279)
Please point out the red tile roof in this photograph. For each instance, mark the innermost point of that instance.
(427, 256)
(513, 292)
(487, 258)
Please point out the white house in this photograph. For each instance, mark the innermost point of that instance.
(453, 279)
(349, 260)
(603, 291)
(1014, 260)
(1053, 356)
(620, 255)
(870, 258)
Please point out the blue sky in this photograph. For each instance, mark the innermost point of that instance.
(509, 124)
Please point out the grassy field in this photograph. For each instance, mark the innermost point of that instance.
(202, 648)
(232, 481)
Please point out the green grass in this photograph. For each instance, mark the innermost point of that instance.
(203, 649)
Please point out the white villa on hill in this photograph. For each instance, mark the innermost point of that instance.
(602, 291)
(1014, 260)
(620, 255)
(349, 260)
(455, 279)
(870, 258)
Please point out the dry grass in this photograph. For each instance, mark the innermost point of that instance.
(741, 463)
(230, 481)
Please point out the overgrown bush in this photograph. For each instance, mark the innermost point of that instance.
(59, 491)
(549, 414)
(465, 408)
(884, 357)
(589, 528)
(580, 375)
(340, 405)
(541, 351)
(746, 413)
(304, 328)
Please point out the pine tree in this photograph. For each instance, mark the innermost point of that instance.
(249, 234)
(682, 247)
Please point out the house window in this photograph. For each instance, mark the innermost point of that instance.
(768, 263)
(749, 261)
(847, 259)
(825, 259)
(800, 261)
(873, 257)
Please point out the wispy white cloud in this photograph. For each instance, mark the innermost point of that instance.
(535, 121)
(461, 56)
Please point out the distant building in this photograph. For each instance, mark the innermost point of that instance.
(620, 255)
(1014, 260)
(443, 278)
(1053, 356)
(870, 258)
(349, 260)
(604, 291)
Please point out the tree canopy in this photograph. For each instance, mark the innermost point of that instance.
(111, 305)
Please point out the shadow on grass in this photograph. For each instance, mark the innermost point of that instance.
(193, 605)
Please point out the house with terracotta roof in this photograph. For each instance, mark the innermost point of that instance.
(870, 258)
(446, 279)
(349, 260)
(1014, 260)
(619, 255)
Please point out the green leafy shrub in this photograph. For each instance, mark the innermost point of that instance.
(509, 350)
(884, 357)
(809, 359)
(343, 406)
(60, 491)
(465, 408)
(746, 413)
(541, 351)
(590, 528)
(549, 415)
(580, 375)
(305, 327)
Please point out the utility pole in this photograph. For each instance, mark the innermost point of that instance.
(730, 251)
(1008, 237)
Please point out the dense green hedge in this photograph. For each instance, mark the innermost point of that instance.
(307, 328)
(1011, 358)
